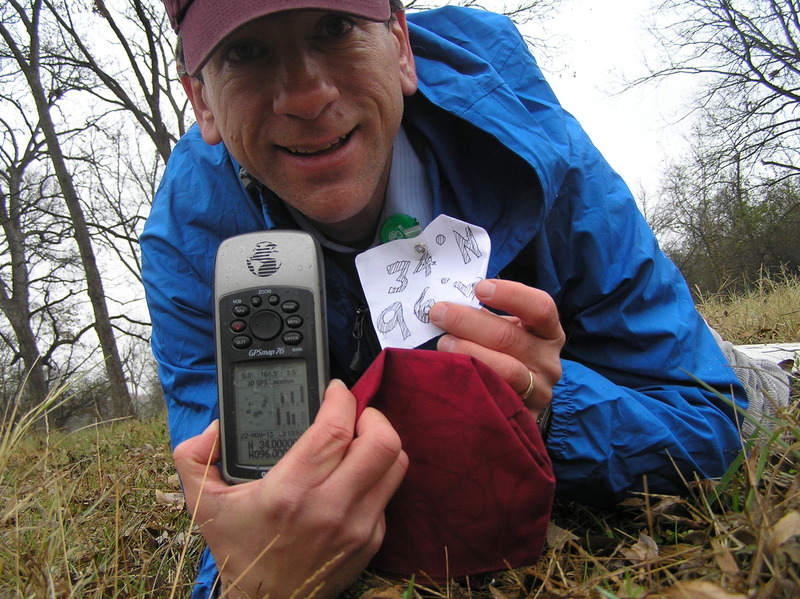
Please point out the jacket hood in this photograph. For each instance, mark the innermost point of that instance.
(530, 123)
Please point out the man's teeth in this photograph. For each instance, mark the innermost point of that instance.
(307, 151)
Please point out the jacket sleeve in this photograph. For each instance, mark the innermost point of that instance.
(632, 406)
(200, 202)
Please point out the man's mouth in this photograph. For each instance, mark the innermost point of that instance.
(318, 150)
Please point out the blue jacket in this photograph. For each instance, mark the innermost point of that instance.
(501, 153)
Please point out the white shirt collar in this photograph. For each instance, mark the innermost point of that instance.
(407, 192)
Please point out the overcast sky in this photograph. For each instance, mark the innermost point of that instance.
(602, 40)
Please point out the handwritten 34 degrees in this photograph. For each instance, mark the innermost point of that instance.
(402, 279)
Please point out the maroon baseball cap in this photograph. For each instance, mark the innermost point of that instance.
(203, 24)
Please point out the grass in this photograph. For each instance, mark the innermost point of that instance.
(95, 513)
(767, 311)
(98, 513)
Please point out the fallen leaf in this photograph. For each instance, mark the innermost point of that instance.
(680, 549)
(695, 537)
(169, 498)
(793, 553)
(645, 550)
(497, 593)
(669, 504)
(385, 593)
(633, 502)
(698, 589)
(557, 537)
(726, 562)
(783, 530)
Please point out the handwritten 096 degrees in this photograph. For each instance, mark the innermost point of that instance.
(402, 279)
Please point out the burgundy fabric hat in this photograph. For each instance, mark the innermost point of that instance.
(479, 488)
(204, 23)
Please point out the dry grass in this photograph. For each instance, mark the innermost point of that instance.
(98, 513)
(768, 311)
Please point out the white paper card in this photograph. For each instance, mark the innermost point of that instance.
(402, 279)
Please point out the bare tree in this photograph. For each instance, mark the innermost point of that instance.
(132, 77)
(98, 80)
(15, 284)
(720, 229)
(41, 282)
(129, 71)
(21, 30)
(746, 55)
(522, 10)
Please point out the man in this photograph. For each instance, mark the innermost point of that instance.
(326, 106)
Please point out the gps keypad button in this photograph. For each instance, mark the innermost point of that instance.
(241, 342)
(294, 321)
(290, 306)
(266, 325)
(293, 338)
(240, 311)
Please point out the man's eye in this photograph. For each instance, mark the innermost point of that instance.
(242, 52)
(335, 27)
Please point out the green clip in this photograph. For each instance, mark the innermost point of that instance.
(399, 226)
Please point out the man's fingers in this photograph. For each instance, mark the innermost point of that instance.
(362, 461)
(484, 329)
(522, 348)
(376, 456)
(533, 321)
(196, 461)
(535, 308)
(320, 450)
(193, 455)
(344, 471)
(506, 366)
(373, 468)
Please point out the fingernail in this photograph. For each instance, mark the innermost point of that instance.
(484, 289)
(446, 343)
(437, 312)
(337, 383)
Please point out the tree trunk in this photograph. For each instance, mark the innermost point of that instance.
(15, 299)
(120, 402)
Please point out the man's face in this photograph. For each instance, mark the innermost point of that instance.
(310, 102)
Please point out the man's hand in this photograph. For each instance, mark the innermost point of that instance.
(316, 518)
(524, 349)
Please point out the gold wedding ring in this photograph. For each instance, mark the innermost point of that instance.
(530, 388)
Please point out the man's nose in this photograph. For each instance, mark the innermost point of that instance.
(304, 88)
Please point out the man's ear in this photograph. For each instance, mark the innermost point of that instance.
(408, 70)
(195, 90)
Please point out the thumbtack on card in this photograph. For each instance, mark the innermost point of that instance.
(399, 226)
